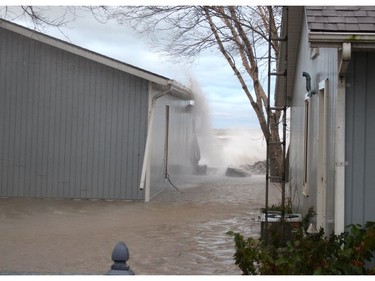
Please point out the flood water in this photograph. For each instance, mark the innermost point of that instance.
(176, 233)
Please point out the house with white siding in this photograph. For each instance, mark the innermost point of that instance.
(78, 124)
(331, 93)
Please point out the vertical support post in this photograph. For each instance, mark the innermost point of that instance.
(285, 100)
(269, 133)
(321, 157)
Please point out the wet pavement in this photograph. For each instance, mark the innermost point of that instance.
(176, 233)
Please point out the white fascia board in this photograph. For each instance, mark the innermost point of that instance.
(335, 39)
(74, 49)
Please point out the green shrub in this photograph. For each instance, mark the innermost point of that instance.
(345, 253)
(288, 207)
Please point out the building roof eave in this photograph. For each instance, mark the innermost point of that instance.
(180, 91)
(288, 56)
(335, 39)
(52, 41)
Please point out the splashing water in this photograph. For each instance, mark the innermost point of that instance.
(221, 148)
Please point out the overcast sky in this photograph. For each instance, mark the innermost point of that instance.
(228, 104)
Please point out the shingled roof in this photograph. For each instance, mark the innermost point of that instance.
(341, 19)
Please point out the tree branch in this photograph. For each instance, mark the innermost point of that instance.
(258, 110)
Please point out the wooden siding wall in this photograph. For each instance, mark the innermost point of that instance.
(69, 127)
(360, 140)
(324, 66)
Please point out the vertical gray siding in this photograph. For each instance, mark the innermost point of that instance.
(360, 140)
(69, 127)
(322, 67)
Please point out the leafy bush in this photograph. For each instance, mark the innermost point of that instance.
(345, 253)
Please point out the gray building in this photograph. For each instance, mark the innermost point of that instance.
(332, 152)
(77, 124)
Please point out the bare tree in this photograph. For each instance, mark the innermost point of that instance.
(240, 33)
(38, 17)
(59, 17)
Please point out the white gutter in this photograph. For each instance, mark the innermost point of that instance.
(335, 39)
(146, 157)
(180, 91)
(340, 162)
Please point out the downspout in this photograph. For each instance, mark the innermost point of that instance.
(146, 158)
(310, 93)
(340, 162)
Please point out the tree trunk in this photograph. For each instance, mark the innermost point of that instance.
(275, 151)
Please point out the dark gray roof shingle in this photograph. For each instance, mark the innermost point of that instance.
(341, 19)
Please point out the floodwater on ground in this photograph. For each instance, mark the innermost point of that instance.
(176, 233)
